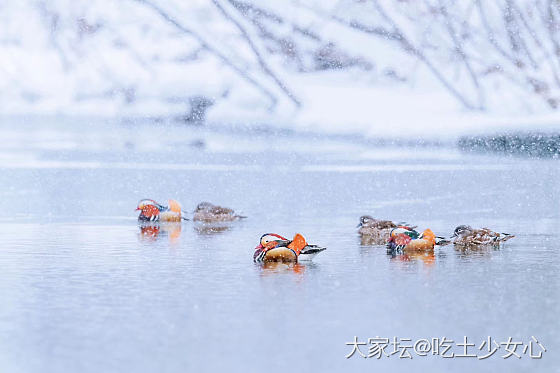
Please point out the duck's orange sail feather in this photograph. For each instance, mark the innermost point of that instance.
(174, 206)
(298, 243)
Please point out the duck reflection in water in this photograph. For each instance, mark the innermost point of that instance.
(273, 268)
(480, 251)
(211, 229)
(428, 257)
(150, 232)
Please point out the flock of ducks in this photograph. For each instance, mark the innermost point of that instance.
(205, 212)
(402, 236)
(272, 247)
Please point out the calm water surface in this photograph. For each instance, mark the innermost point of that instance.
(84, 289)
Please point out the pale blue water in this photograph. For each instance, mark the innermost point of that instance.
(83, 290)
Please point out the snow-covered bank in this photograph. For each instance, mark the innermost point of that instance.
(339, 104)
(379, 69)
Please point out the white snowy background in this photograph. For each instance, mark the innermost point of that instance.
(376, 67)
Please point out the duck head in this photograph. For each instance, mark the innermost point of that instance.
(401, 236)
(365, 220)
(203, 206)
(396, 231)
(148, 208)
(268, 238)
(462, 230)
(402, 230)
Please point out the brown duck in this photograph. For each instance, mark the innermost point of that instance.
(465, 235)
(207, 212)
(376, 232)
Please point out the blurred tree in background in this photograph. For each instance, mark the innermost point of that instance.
(165, 53)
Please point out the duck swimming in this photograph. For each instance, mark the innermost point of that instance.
(465, 235)
(407, 239)
(376, 232)
(207, 212)
(151, 211)
(275, 248)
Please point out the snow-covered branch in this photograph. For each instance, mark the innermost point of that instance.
(208, 46)
(260, 56)
(256, 50)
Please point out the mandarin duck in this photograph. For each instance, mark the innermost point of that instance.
(407, 239)
(207, 212)
(151, 211)
(376, 232)
(465, 235)
(275, 248)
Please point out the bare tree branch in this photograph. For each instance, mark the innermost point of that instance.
(167, 17)
(418, 53)
(245, 8)
(264, 66)
(553, 25)
(397, 35)
(492, 37)
(514, 33)
(461, 52)
(532, 33)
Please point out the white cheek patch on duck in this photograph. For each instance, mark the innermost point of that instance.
(270, 238)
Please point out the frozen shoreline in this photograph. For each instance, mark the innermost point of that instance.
(333, 105)
(418, 131)
(85, 61)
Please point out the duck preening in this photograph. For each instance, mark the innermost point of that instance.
(151, 211)
(275, 248)
(408, 239)
(207, 212)
(465, 235)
